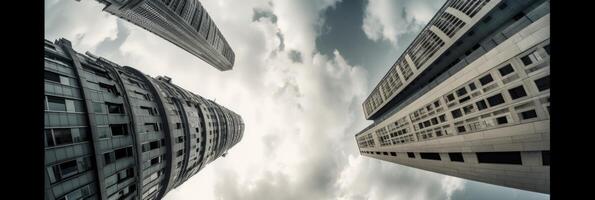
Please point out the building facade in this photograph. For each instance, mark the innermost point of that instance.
(184, 23)
(112, 132)
(470, 96)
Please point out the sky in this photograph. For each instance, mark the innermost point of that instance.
(302, 70)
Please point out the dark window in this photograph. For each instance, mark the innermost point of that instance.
(109, 88)
(68, 169)
(513, 157)
(119, 129)
(434, 121)
(393, 154)
(450, 97)
(486, 79)
(438, 133)
(385, 153)
(463, 100)
(545, 157)
(495, 100)
(427, 123)
(123, 152)
(442, 118)
(506, 70)
(63, 136)
(154, 145)
(109, 157)
(436, 103)
(430, 156)
(49, 138)
(56, 103)
(461, 129)
(145, 147)
(178, 125)
(487, 19)
(461, 92)
(421, 125)
(456, 157)
(456, 113)
(472, 86)
(154, 161)
(149, 110)
(180, 152)
(526, 60)
(519, 16)
(530, 114)
(481, 104)
(547, 49)
(51, 76)
(543, 83)
(517, 92)
(377, 153)
(115, 108)
(180, 139)
(501, 120)
(410, 154)
(468, 109)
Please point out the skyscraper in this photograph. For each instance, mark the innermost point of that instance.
(112, 132)
(470, 96)
(182, 22)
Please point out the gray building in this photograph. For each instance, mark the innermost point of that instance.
(112, 132)
(184, 23)
(470, 96)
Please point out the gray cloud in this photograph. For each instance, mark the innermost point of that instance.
(295, 56)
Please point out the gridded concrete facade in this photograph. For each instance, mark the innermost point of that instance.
(112, 132)
(182, 22)
(476, 108)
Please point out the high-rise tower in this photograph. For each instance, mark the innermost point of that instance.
(470, 96)
(182, 22)
(112, 132)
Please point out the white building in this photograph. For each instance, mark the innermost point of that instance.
(470, 96)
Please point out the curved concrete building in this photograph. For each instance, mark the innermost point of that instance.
(470, 96)
(112, 132)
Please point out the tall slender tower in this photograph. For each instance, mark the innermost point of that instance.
(182, 22)
(470, 96)
(112, 132)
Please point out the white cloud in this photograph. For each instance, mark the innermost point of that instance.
(300, 117)
(390, 19)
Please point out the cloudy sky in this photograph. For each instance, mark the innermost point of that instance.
(302, 70)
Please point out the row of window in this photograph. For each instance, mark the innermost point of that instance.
(510, 157)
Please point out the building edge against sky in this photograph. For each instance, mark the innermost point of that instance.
(470, 96)
(112, 132)
(184, 23)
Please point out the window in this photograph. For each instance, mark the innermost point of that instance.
(151, 127)
(495, 100)
(427, 123)
(547, 49)
(442, 118)
(180, 152)
(385, 153)
(463, 100)
(436, 103)
(123, 152)
(456, 157)
(526, 60)
(62, 136)
(51, 76)
(456, 113)
(430, 156)
(543, 83)
(481, 104)
(461, 129)
(461, 92)
(450, 97)
(434, 121)
(472, 86)
(115, 108)
(486, 79)
(506, 70)
(501, 120)
(119, 129)
(56, 103)
(545, 157)
(393, 154)
(517, 92)
(109, 89)
(180, 139)
(125, 174)
(513, 157)
(468, 109)
(410, 154)
(178, 125)
(530, 114)
(149, 110)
